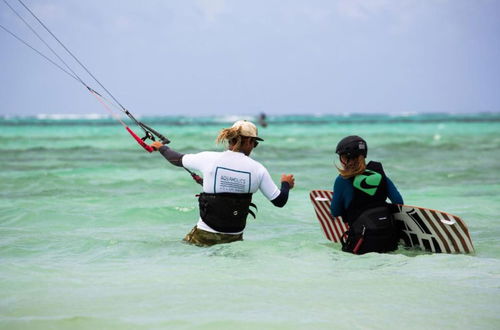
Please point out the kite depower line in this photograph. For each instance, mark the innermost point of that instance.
(150, 133)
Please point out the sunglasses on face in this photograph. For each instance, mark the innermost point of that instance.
(345, 158)
(254, 141)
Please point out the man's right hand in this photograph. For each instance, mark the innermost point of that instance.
(288, 178)
(156, 145)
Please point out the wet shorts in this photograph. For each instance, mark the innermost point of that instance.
(205, 238)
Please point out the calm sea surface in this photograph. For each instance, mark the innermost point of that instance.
(91, 228)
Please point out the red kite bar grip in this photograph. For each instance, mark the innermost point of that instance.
(138, 139)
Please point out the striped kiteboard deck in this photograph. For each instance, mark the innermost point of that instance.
(428, 229)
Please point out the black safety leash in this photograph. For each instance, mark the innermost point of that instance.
(196, 177)
(150, 133)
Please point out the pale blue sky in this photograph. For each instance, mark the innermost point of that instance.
(244, 57)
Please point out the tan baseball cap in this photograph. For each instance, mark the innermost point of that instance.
(248, 129)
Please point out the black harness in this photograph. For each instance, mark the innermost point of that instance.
(371, 223)
(226, 212)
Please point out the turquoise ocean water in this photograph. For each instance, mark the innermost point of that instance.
(91, 228)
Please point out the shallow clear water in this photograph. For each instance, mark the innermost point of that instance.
(91, 229)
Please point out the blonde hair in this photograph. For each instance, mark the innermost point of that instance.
(232, 136)
(353, 167)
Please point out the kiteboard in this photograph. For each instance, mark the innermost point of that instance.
(427, 229)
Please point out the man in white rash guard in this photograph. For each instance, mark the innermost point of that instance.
(229, 180)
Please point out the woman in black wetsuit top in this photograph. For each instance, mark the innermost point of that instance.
(359, 196)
